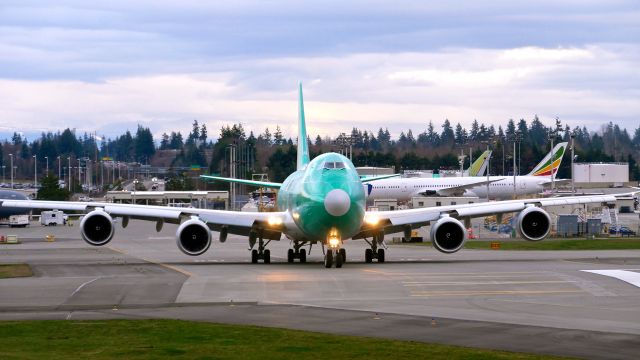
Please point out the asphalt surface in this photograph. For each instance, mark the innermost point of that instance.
(530, 301)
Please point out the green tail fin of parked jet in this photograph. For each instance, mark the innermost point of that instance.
(547, 165)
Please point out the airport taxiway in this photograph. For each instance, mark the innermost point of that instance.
(531, 301)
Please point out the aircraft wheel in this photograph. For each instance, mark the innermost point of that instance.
(343, 255)
(303, 255)
(339, 259)
(290, 255)
(380, 255)
(254, 256)
(267, 257)
(368, 255)
(328, 259)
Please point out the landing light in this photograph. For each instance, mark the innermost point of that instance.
(372, 219)
(274, 221)
(334, 242)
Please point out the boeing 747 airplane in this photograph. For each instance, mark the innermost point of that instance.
(322, 202)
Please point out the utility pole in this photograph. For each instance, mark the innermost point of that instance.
(59, 166)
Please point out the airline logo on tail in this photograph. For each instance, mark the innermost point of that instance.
(549, 163)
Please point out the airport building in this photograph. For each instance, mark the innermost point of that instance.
(601, 174)
(197, 199)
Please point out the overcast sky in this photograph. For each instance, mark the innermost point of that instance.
(109, 66)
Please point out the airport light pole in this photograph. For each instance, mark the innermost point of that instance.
(69, 173)
(3, 166)
(517, 137)
(488, 142)
(11, 156)
(35, 172)
(59, 166)
(573, 184)
(46, 169)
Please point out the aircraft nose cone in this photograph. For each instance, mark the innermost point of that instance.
(337, 202)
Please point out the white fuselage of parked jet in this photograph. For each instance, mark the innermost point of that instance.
(500, 187)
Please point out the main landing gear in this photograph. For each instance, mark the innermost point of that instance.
(297, 252)
(261, 253)
(374, 252)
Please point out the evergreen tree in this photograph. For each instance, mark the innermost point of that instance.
(447, 137)
(164, 142)
(51, 190)
(176, 142)
(144, 146)
(475, 129)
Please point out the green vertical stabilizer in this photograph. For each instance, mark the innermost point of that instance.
(303, 145)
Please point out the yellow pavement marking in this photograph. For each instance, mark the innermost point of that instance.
(170, 267)
(497, 292)
(420, 283)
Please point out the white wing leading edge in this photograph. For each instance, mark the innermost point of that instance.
(234, 222)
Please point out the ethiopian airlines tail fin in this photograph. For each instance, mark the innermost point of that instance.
(479, 167)
(303, 145)
(547, 165)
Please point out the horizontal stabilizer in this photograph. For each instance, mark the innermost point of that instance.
(243, 181)
(380, 177)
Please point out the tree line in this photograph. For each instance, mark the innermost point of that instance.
(435, 147)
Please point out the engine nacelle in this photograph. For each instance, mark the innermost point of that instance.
(448, 235)
(533, 224)
(97, 227)
(193, 237)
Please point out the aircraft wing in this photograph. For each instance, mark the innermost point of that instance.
(236, 222)
(379, 177)
(556, 181)
(244, 181)
(401, 220)
(458, 190)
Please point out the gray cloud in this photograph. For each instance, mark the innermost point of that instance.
(377, 62)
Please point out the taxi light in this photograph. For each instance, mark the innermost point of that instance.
(274, 221)
(334, 242)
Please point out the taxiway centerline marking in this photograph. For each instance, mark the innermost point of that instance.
(83, 285)
(170, 267)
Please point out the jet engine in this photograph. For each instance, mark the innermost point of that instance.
(97, 227)
(533, 223)
(193, 237)
(448, 235)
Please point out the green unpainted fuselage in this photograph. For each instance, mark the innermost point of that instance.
(313, 193)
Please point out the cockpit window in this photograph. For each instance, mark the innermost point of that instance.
(334, 165)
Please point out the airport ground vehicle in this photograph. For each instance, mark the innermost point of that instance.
(53, 218)
(622, 230)
(15, 221)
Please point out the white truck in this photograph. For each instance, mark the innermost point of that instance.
(53, 218)
(15, 220)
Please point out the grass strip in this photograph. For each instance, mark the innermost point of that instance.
(15, 270)
(152, 339)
